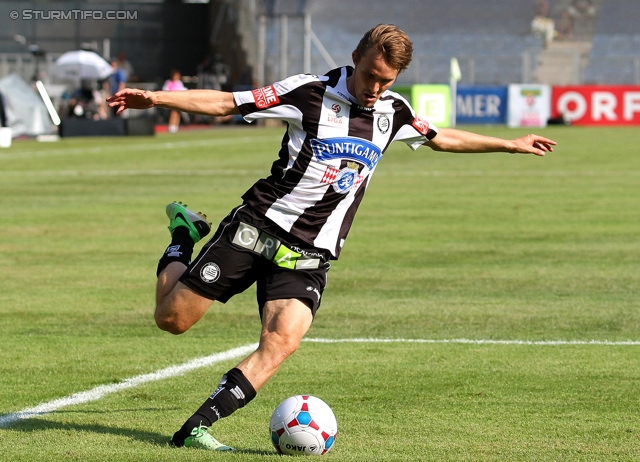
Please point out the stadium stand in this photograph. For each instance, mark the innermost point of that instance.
(619, 17)
(614, 59)
(493, 40)
(603, 47)
(615, 56)
(490, 49)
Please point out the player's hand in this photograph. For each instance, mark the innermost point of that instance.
(131, 98)
(533, 144)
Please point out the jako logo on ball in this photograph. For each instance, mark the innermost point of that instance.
(303, 425)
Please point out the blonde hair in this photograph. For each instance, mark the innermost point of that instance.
(389, 40)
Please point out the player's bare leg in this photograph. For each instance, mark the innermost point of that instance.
(180, 308)
(284, 323)
(167, 280)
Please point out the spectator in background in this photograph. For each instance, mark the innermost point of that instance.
(542, 25)
(174, 84)
(86, 102)
(205, 74)
(117, 80)
(582, 9)
(542, 8)
(213, 74)
(125, 66)
(564, 26)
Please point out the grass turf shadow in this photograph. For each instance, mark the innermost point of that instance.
(153, 438)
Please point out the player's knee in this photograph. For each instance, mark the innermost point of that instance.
(284, 345)
(171, 324)
(290, 347)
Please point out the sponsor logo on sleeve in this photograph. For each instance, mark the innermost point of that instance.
(421, 125)
(265, 97)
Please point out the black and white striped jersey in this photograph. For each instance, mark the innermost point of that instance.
(328, 154)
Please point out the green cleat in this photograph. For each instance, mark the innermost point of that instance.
(201, 439)
(180, 215)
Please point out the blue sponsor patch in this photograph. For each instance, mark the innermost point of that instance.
(356, 149)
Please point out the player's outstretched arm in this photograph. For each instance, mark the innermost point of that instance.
(206, 102)
(453, 140)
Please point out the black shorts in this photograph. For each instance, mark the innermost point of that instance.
(248, 248)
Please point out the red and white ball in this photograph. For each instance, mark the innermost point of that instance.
(303, 425)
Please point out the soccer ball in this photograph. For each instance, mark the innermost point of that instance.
(303, 425)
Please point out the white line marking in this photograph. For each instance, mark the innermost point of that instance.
(513, 173)
(103, 390)
(474, 342)
(172, 371)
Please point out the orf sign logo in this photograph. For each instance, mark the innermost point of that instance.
(598, 104)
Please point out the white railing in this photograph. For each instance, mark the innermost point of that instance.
(27, 66)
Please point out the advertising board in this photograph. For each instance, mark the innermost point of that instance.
(597, 104)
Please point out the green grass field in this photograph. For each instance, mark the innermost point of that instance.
(534, 256)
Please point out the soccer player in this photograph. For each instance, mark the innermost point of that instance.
(291, 224)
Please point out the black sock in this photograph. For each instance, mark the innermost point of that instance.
(180, 249)
(234, 392)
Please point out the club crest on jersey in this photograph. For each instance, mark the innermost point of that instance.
(265, 96)
(343, 180)
(383, 123)
(350, 149)
(421, 125)
(210, 273)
